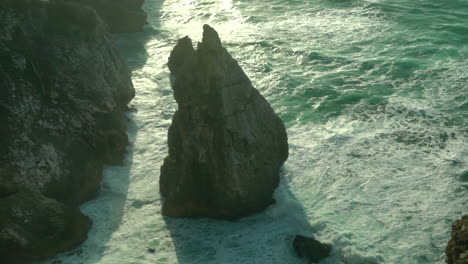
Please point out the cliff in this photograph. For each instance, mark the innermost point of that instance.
(457, 247)
(226, 144)
(63, 92)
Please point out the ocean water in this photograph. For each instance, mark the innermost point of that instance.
(374, 97)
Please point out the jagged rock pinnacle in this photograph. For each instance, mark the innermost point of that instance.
(210, 37)
(182, 52)
(226, 144)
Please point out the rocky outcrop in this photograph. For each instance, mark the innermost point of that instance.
(457, 247)
(310, 249)
(226, 144)
(63, 93)
(122, 16)
(36, 227)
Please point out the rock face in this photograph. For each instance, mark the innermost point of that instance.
(122, 16)
(310, 249)
(63, 92)
(226, 144)
(457, 247)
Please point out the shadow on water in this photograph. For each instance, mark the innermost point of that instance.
(133, 45)
(265, 237)
(106, 210)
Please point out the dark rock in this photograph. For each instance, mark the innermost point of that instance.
(37, 227)
(78, 252)
(310, 249)
(122, 16)
(457, 247)
(64, 90)
(151, 250)
(226, 144)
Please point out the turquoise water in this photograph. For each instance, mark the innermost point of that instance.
(374, 97)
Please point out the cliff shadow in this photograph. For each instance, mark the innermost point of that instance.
(133, 45)
(265, 237)
(106, 210)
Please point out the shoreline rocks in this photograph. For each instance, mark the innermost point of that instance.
(310, 249)
(457, 247)
(226, 144)
(64, 90)
(37, 227)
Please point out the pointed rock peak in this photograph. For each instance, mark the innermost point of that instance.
(210, 37)
(182, 52)
(226, 144)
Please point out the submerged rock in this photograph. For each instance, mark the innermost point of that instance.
(64, 90)
(226, 144)
(310, 249)
(457, 247)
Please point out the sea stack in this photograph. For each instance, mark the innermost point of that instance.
(226, 144)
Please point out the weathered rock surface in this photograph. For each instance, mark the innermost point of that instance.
(310, 249)
(63, 92)
(226, 144)
(122, 16)
(38, 227)
(457, 247)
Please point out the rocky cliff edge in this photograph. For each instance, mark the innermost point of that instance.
(64, 89)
